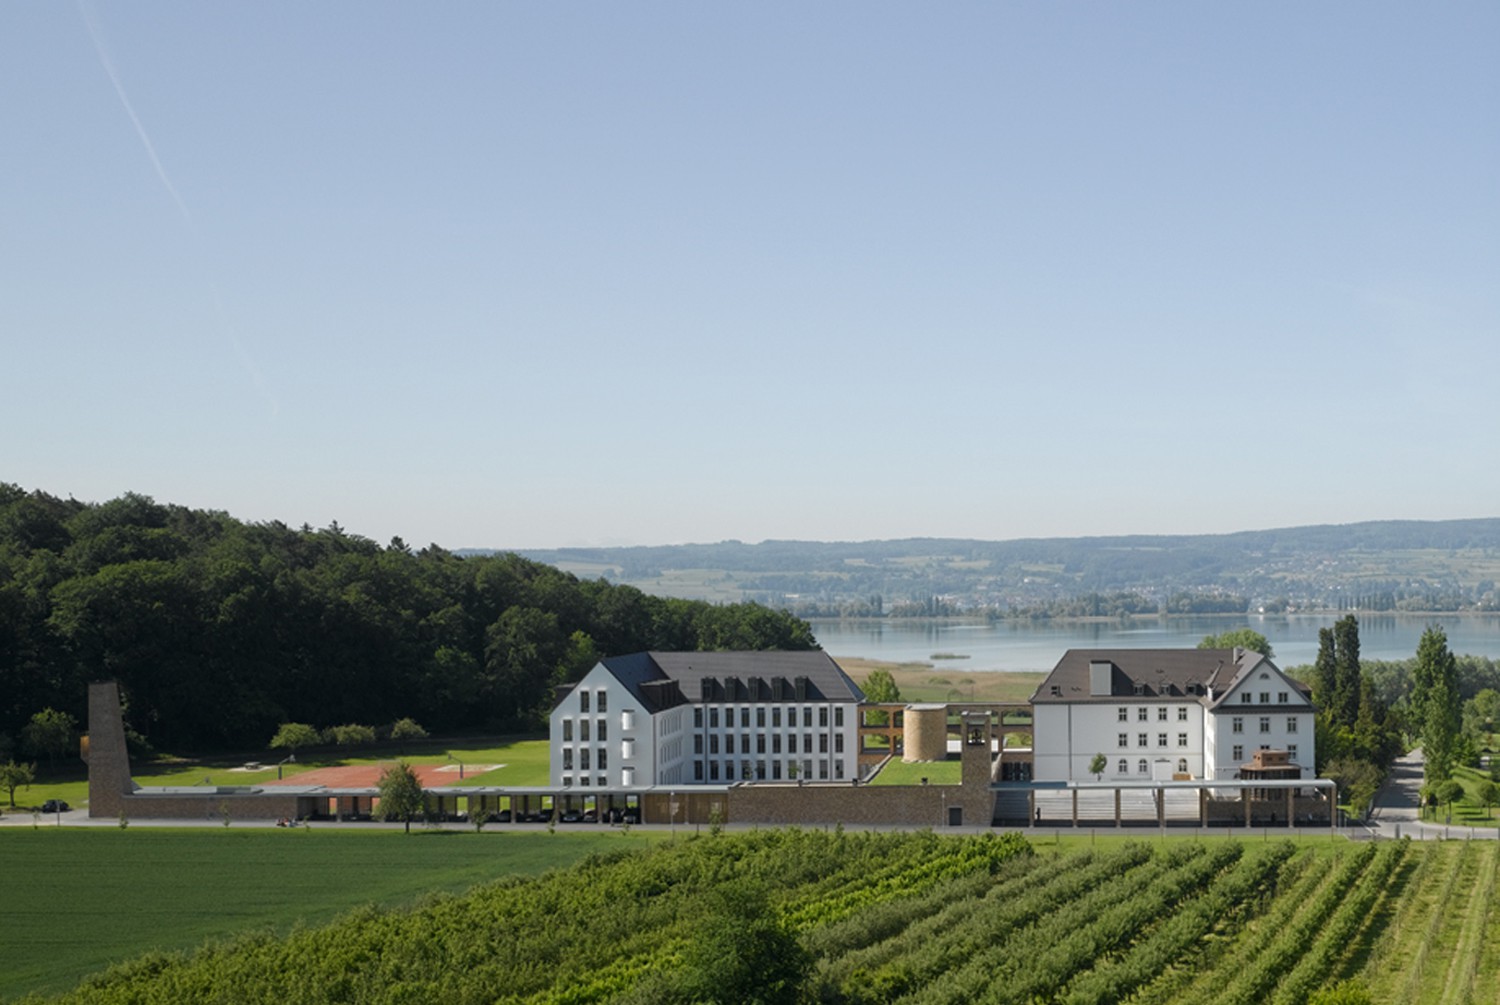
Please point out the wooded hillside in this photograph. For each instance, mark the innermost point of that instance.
(219, 630)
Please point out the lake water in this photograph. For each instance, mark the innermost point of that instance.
(1024, 645)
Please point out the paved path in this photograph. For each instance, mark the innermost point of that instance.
(1396, 806)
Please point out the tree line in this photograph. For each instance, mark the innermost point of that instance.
(219, 630)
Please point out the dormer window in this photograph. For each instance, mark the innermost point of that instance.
(1140, 688)
(1056, 691)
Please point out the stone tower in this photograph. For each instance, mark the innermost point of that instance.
(109, 761)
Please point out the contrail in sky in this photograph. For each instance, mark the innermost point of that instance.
(241, 352)
(140, 130)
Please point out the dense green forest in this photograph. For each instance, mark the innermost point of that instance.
(218, 630)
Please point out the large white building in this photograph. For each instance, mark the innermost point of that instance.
(706, 718)
(1159, 714)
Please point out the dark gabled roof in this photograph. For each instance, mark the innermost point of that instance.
(661, 680)
(1203, 675)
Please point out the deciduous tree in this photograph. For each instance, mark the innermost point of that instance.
(400, 795)
(1244, 638)
(49, 732)
(13, 776)
(293, 736)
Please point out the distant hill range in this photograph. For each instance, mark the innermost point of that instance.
(1395, 565)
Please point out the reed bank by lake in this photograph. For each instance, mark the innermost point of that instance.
(1036, 645)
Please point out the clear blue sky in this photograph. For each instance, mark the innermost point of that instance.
(531, 275)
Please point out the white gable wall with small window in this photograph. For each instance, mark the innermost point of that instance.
(1263, 710)
(628, 745)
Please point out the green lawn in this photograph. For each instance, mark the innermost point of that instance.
(524, 760)
(898, 772)
(78, 900)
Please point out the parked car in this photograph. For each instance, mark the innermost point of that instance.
(54, 806)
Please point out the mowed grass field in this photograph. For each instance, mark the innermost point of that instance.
(79, 900)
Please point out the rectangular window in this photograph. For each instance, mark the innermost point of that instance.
(697, 771)
(603, 700)
(760, 717)
(838, 743)
(807, 719)
(583, 759)
(1291, 724)
(583, 730)
(567, 730)
(1143, 713)
(744, 743)
(728, 743)
(775, 743)
(838, 715)
(822, 743)
(1291, 752)
(603, 760)
(1237, 724)
(1182, 739)
(1123, 767)
(1124, 714)
(583, 701)
(760, 743)
(1281, 697)
(713, 743)
(1245, 698)
(838, 769)
(823, 716)
(775, 718)
(713, 771)
(1161, 739)
(567, 758)
(1265, 724)
(697, 716)
(747, 770)
(1124, 740)
(760, 770)
(1142, 767)
(775, 771)
(603, 728)
(1238, 753)
(1161, 714)
(822, 771)
(1142, 740)
(744, 718)
(713, 718)
(791, 743)
(807, 743)
(697, 743)
(1182, 713)
(583, 781)
(1265, 697)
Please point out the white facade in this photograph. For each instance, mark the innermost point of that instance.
(1262, 711)
(1141, 740)
(604, 733)
(1160, 714)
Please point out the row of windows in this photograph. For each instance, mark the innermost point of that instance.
(1143, 766)
(1248, 698)
(601, 702)
(599, 728)
(728, 713)
(1237, 724)
(1237, 753)
(775, 743)
(761, 770)
(1143, 713)
(1143, 740)
(600, 758)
